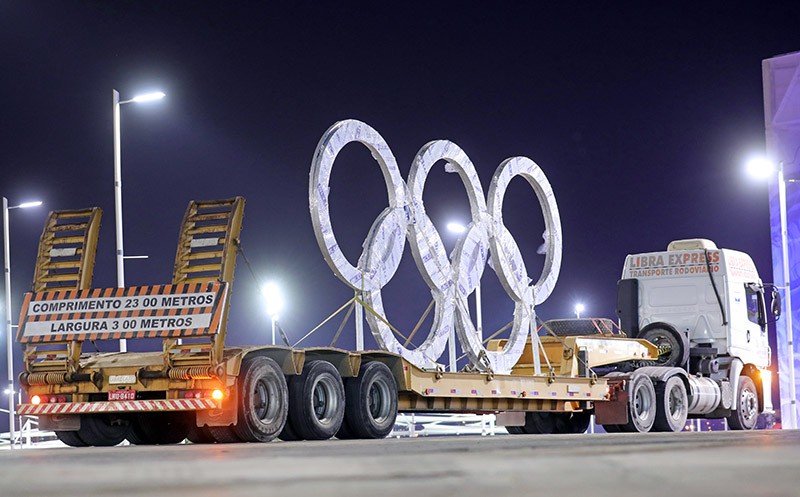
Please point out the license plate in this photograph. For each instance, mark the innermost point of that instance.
(122, 395)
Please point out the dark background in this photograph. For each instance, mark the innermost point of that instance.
(641, 114)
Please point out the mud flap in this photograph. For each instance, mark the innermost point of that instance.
(613, 411)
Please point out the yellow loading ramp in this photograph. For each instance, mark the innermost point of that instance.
(65, 262)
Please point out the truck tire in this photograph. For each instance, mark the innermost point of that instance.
(515, 430)
(371, 402)
(71, 438)
(103, 430)
(672, 405)
(223, 434)
(159, 428)
(664, 336)
(288, 434)
(263, 400)
(199, 435)
(747, 408)
(641, 405)
(317, 401)
(573, 422)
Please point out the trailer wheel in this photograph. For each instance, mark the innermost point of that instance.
(573, 422)
(666, 338)
(103, 430)
(316, 401)
(345, 433)
(159, 428)
(288, 434)
(672, 405)
(263, 400)
(223, 434)
(641, 404)
(371, 407)
(515, 430)
(199, 435)
(746, 413)
(71, 438)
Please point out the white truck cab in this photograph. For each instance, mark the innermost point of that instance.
(705, 308)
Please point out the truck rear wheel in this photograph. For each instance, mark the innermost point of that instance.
(371, 402)
(641, 404)
(672, 405)
(223, 434)
(316, 401)
(515, 430)
(263, 400)
(103, 430)
(746, 413)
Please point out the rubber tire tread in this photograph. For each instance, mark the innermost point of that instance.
(301, 412)
(96, 431)
(249, 428)
(358, 418)
(664, 421)
(223, 434)
(71, 438)
(199, 435)
(164, 428)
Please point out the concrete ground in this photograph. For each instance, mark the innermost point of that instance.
(676, 464)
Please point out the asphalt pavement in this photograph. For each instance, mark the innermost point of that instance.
(683, 464)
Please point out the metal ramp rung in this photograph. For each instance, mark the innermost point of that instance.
(65, 261)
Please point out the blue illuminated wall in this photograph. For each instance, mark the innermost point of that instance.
(782, 118)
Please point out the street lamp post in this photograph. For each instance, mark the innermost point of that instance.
(9, 326)
(763, 168)
(460, 229)
(118, 186)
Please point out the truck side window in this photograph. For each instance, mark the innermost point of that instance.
(753, 305)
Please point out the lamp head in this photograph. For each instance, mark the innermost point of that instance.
(147, 97)
(760, 167)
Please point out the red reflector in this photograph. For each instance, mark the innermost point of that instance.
(62, 398)
(52, 399)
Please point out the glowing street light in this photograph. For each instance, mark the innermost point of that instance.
(579, 308)
(147, 97)
(456, 228)
(761, 167)
(9, 337)
(274, 304)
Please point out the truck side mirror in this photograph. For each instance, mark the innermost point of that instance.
(775, 307)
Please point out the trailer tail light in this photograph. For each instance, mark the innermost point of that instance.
(50, 399)
(201, 394)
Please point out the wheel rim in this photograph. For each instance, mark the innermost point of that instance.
(325, 402)
(676, 403)
(378, 400)
(748, 403)
(642, 404)
(264, 409)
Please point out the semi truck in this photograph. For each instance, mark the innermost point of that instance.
(695, 314)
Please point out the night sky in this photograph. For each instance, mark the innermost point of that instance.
(641, 116)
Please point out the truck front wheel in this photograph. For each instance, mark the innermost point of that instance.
(746, 413)
(71, 438)
(263, 400)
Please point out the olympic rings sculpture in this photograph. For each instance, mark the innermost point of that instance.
(451, 281)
